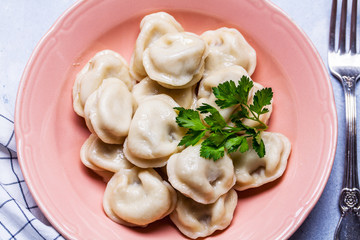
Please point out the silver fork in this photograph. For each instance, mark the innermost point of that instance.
(344, 64)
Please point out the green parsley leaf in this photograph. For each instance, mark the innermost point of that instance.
(237, 142)
(192, 137)
(189, 118)
(262, 98)
(218, 136)
(214, 119)
(238, 115)
(257, 138)
(210, 151)
(246, 129)
(259, 147)
(228, 94)
(225, 94)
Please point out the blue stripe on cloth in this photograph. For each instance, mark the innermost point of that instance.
(8, 119)
(6, 229)
(10, 139)
(7, 132)
(19, 215)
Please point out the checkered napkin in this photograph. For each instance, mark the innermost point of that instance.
(20, 217)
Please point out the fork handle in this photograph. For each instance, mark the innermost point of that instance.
(350, 176)
(349, 224)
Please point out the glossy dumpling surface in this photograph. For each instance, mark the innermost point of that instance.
(108, 111)
(152, 27)
(103, 156)
(227, 47)
(137, 197)
(184, 97)
(104, 64)
(86, 159)
(252, 171)
(201, 179)
(196, 220)
(176, 60)
(154, 134)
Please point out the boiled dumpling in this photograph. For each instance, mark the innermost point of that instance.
(227, 47)
(147, 87)
(154, 134)
(137, 197)
(103, 173)
(213, 79)
(176, 60)
(201, 179)
(195, 220)
(108, 111)
(252, 171)
(104, 64)
(152, 27)
(98, 155)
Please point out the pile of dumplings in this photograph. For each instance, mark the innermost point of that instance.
(129, 110)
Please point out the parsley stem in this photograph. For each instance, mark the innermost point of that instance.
(256, 117)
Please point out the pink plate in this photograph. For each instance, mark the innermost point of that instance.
(49, 134)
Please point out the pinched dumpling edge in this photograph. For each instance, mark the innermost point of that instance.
(144, 220)
(281, 166)
(167, 22)
(97, 123)
(176, 79)
(124, 75)
(161, 159)
(237, 41)
(226, 202)
(217, 178)
(147, 87)
(95, 163)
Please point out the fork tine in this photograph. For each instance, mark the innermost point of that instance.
(332, 26)
(353, 27)
(342, 41)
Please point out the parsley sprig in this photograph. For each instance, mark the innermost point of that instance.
(216, 134)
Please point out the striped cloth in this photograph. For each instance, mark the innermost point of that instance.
(20, 217)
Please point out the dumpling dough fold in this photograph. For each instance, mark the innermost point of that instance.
(152, 27)
(138, 197)
(154, 134)
(184, 97)
(105, 64)
(98, 155)
(176, 60)
(201, 179)
(252, 171)
(109, 110)
(227, 47)
(196, 220)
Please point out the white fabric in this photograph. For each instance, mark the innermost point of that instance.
(20, 217)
